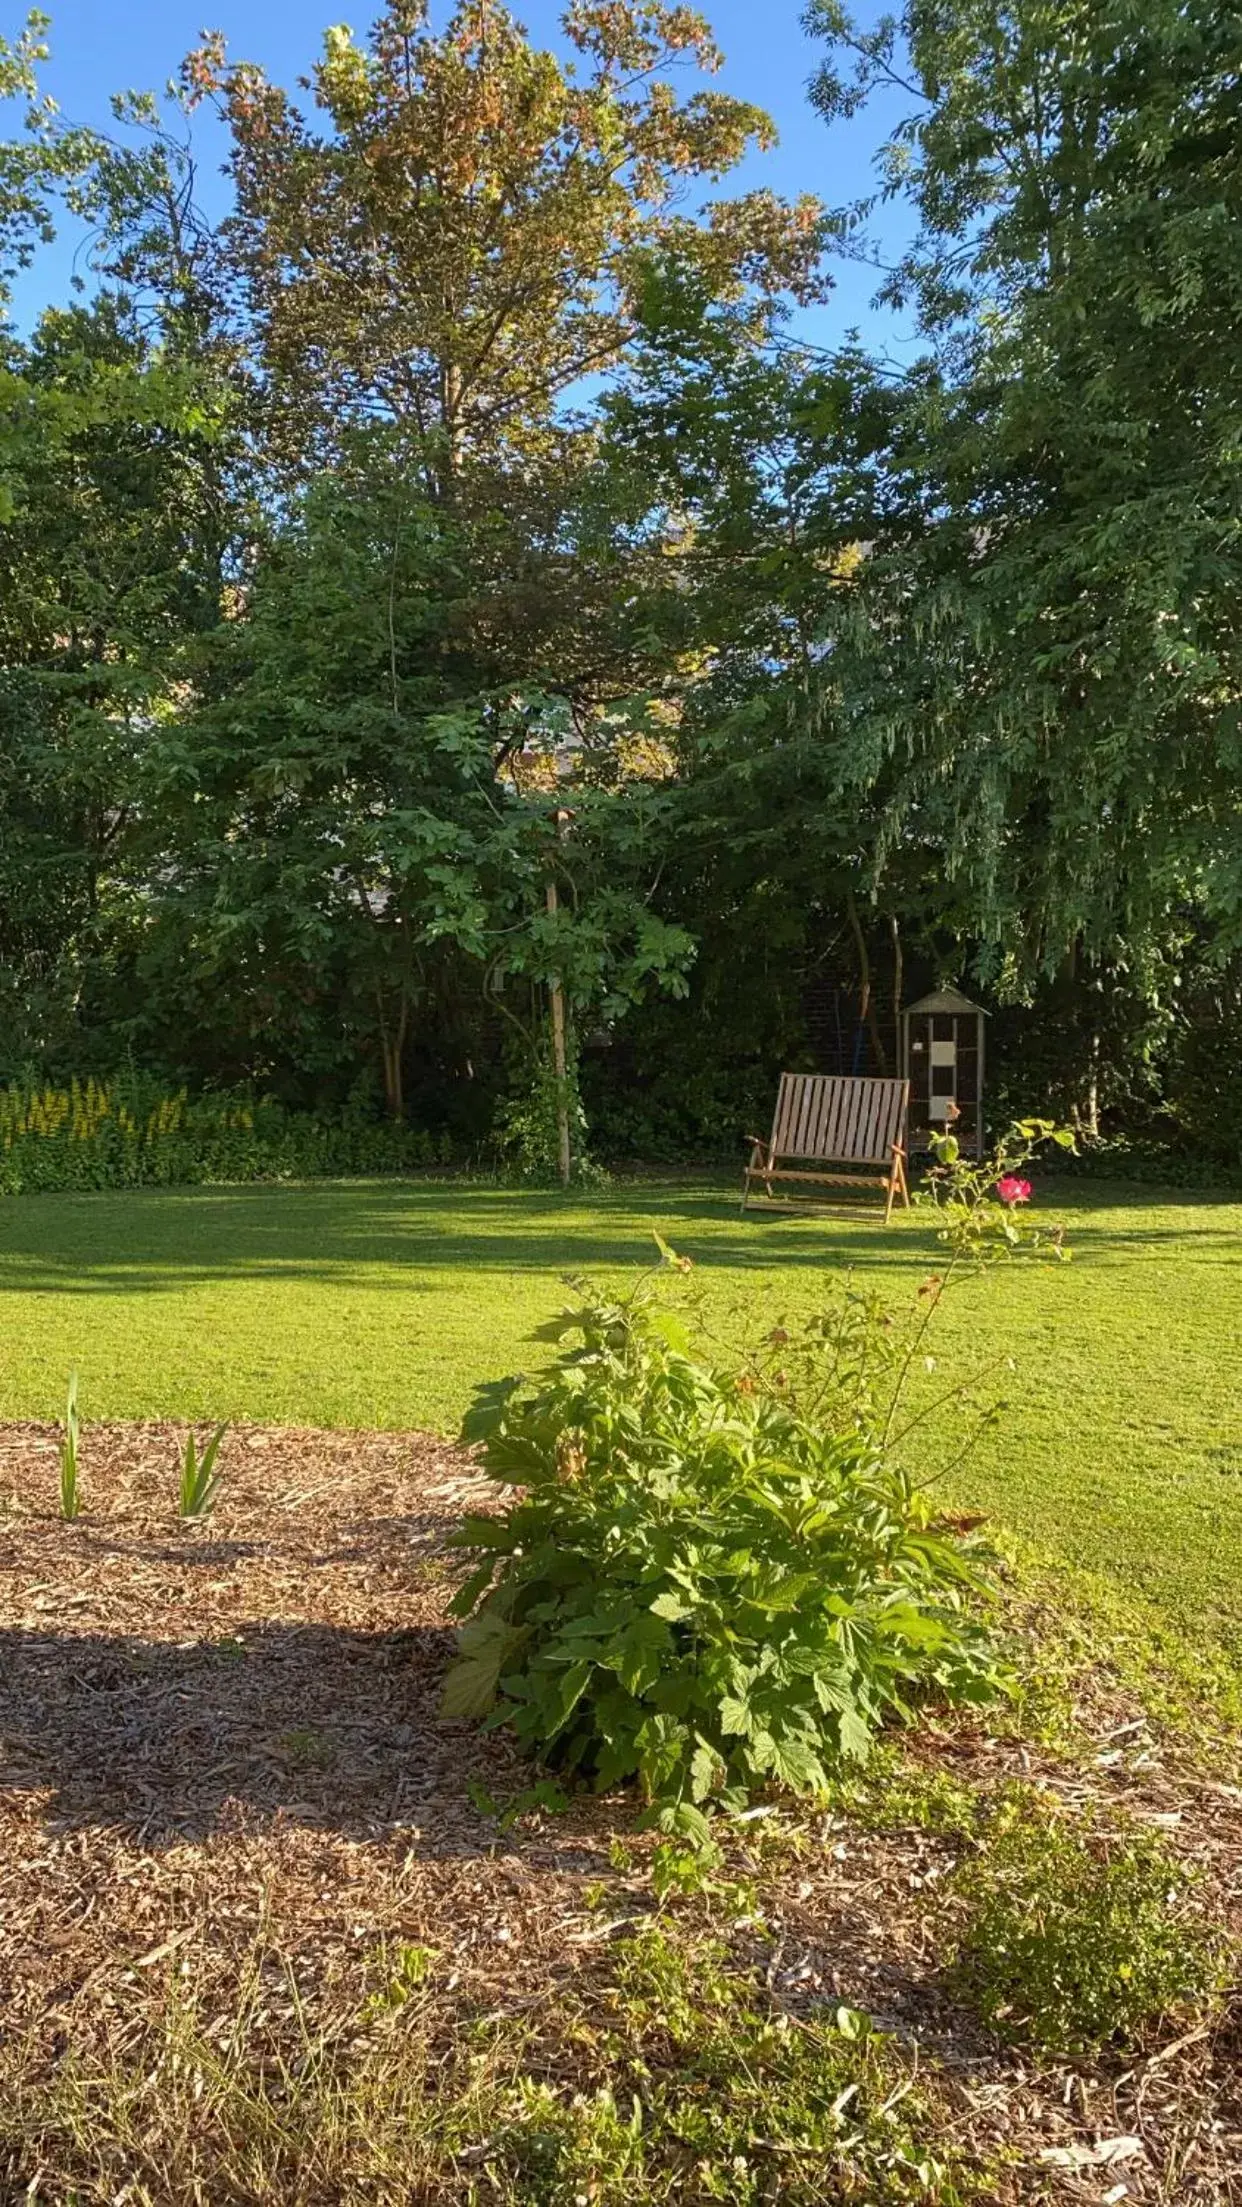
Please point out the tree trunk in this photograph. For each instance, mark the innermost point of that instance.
(394, 1098)
(392, 1054)
(560, 1064)
(1093, 1090)
(866, 1008)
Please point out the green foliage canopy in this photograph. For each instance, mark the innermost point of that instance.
(1046, 639)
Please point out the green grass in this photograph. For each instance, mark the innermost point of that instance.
(381, 1304)
(668, 2076)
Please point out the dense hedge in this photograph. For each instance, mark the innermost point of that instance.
(132, 1133)
(1149, 1164)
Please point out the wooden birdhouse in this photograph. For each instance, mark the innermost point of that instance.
(942, 1058)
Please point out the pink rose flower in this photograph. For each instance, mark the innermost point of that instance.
(1012, 1190)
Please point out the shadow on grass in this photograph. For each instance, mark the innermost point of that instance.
(311, 1724)
(406, 1235)
(163, 1239)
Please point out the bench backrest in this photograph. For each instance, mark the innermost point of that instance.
(834, 1119)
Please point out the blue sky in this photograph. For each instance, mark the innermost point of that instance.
(100, 46)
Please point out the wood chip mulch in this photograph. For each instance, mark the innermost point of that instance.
(223, 1738)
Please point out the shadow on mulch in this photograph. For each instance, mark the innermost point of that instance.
(317, 1724)
(373, 1540)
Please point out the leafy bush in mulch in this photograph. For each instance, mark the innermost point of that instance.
(719, 1579)
(706, 1584)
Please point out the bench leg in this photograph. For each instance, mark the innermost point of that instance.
(897, 1182)
(756, 1160)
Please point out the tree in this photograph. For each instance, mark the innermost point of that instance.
(466, 614)
(457, 248)
(1044, 658)
(109, 562)
(360, 821)
(38, 165)
(774, 463)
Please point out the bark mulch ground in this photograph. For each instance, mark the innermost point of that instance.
(222, 1740)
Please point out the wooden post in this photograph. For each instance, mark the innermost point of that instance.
(559, 1065)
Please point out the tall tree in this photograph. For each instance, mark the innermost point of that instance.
(422, 285)
(109, 564)
(456, 245)
(359, 822)
(1047, 641)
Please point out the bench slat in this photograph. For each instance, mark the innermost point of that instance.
(836, 1119)
(825, 1177)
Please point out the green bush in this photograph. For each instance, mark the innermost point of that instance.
(713, 1581)
(1080, 1940)
(133, 1132)
(526, 1131)
(1149, 1163)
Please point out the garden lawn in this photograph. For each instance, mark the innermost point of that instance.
(383, 1304)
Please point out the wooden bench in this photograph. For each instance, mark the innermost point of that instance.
(824, 1121)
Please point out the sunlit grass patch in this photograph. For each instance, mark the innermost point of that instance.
(672, 2076)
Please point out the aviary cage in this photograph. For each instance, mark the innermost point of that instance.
(942, 1058)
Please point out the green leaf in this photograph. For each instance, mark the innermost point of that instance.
(913, 1625)
(469, 1593)
(704, 1771)
(796, 1764)
(855, 1736)
(682, 1820)
(672, 1330)
(640, 1654)
(484, 1645)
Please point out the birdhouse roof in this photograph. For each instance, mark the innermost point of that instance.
(944, 1000)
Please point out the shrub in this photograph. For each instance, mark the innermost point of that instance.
(1080, 1940)
(134, 1132)
(526, 1131)
(714, 1580)
(1150, 1163)
(982, 1204)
